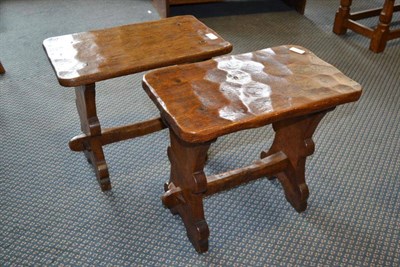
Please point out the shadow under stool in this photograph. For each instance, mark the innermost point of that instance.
(380, 35)
(286, 86)
(82, 59)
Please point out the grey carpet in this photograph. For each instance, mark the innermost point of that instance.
(54, 214)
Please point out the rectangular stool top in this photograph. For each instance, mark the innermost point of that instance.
(89, 57)
(202, 101)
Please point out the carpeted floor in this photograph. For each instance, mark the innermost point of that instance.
(53, 213)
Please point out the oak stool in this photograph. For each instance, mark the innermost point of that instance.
(82, 59)
(286, 86)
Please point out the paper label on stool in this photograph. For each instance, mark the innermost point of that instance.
(211, 36)
(297, 50)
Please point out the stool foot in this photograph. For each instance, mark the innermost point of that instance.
(90, 125)
(196, 228)
(184, 192)
(95, 156)
(296, 193)
(294, 138)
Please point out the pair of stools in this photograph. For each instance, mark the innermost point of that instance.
(286, 86)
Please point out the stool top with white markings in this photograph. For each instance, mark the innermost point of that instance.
(202, 101)
(89, 57)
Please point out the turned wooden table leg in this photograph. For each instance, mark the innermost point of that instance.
(342, 16)
(294, 138)
(2, 70)
(381, 33)
(187, 163)
(90, 125)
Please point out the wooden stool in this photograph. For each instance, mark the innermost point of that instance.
(163, 6)
(82, 59)
(2, 70)
(380, 35)
(202, 101)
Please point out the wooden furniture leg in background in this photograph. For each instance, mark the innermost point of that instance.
(379, 36)
(299, 5)
(342, 17)
(2, 70)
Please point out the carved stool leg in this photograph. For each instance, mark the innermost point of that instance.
(342, 16)
(294, 138)
(381, 33)
(90, 125)
(187, 163)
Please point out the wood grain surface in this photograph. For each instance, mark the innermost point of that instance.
(89, 57)
(202, 101)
